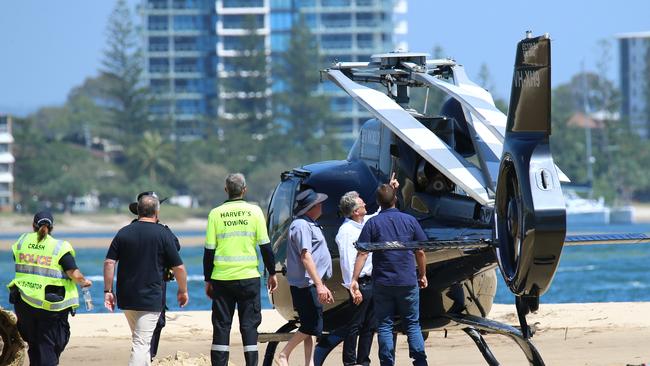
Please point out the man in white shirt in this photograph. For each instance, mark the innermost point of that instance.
(362, 325)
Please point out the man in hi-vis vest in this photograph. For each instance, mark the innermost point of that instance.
(44, 290)
(230, 267)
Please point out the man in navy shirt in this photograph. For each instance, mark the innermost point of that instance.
(395, 287)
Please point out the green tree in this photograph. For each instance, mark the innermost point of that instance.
(152, 155)
(127, 99)
(299, 107)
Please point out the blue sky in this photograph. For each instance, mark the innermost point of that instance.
(48, 47)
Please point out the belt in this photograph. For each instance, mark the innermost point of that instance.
(365, 279)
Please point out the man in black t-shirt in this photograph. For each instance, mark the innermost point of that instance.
(143, 249)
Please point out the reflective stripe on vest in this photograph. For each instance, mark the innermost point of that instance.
(57, 248)
(20, 242)
(36, 270)
(236, 258)
(235, 234)
(49, 305)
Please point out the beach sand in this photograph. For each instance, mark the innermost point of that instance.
(567, 334)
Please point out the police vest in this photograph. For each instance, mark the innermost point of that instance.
(235, 229)
(37, 266)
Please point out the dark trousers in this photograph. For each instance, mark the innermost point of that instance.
(361, 328)
(46, 332)
(155, 338)
(245, 294)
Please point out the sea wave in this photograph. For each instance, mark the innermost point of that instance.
(589, 267)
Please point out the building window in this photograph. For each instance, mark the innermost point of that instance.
(188, 4)
(4, 148)
(366, 20)
(159, 85)
(326, 3)
(365, 40)
(158, 65)
(188, 106)
(281, 21)
(336, 20)
(188, 22)
(185, 44)
(279, 42)
(158, 44)
(187, 64)
(4, 168)
(284, 4)
(336, 41)
(157, 4)
(240, 21)
(187, 85)
(157, 22)
(4, 188)
(243, 3)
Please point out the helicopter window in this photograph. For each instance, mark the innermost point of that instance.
(279, 215)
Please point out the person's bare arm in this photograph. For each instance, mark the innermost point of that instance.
(421, 260)
(181, 278)
(109, 273)
(78, 277)
(357, 298)
(324, 294)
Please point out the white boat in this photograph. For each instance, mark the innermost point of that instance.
(583, 211)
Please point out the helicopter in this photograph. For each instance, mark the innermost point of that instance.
(482, 184)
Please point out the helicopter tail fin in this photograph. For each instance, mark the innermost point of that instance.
(530, 96)
(529, 205)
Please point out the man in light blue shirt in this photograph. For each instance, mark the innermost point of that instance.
(309, 263)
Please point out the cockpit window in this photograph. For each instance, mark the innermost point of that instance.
(280, 214)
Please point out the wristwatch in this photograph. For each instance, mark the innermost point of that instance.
(108, 291)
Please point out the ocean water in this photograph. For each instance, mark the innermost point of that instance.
(598, 273)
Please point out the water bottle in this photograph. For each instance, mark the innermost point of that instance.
(88, 299)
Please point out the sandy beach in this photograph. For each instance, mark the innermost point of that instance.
(595, 334)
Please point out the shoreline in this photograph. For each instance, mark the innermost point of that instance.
(595, 334)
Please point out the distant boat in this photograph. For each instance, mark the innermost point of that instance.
(585, 211)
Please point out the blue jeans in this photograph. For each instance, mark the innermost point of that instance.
(405, 302)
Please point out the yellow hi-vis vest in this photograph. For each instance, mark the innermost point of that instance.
(37, 266)
(235, 229)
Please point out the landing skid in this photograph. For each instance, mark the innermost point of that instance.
(477, 324)
(282, 334)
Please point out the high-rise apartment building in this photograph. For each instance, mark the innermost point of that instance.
(6, 165)
(191, 46)
(634, 64)
(181, 62)
(346, 30)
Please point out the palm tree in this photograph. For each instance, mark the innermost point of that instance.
(152, 154)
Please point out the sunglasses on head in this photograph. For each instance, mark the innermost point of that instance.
(148, 193)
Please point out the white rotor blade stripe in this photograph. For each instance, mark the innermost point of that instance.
(420, 138)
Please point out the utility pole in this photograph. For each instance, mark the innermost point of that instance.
(585, 108)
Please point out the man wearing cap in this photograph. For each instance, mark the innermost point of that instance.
(309, 264)
(168, 275)
(395, 280)
(230, 267)
(44, 290)
(143, 249)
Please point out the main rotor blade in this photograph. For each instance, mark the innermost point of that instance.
(429, 245)
(480, 104)
(417, 136)
(593, 239)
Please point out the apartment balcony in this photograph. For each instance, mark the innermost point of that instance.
(6, 138)
(7, 158)
(6, 177)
